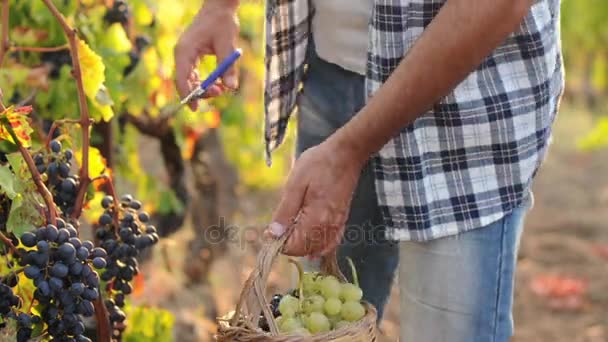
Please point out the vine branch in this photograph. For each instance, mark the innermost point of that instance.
(4, 43)
(8, 243)
(31, 165)
(85, 121)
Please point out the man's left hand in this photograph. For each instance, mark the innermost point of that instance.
(318, 192)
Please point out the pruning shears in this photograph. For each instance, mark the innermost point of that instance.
(212, 78)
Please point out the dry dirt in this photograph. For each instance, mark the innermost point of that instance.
(567, 224)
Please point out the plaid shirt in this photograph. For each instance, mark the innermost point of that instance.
(469, 160)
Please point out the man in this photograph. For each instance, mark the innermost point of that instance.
(424, 120)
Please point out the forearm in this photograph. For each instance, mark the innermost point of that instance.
(231, 4)
(462, 34)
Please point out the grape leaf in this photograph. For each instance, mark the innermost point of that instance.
(23, 217)
(97, 164)
(7, 181)
(92, 68)
(93, 77)
(17, 117)
(148, 324)
(19, 187)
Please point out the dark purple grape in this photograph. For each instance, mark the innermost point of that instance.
(28, 239)
(99, 263)
(105, 219)
(31, 272)
(59, 270)
(55, 146)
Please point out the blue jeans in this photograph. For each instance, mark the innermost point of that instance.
(453, 289)
(460, 288)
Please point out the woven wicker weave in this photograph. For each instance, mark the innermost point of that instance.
(242, 326)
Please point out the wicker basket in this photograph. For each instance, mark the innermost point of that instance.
(242, 326)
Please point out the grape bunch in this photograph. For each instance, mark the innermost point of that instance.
(321, 304)
(56, 59)
(9, 302)
(119, 13)
(123, 244)
(62, 269)
(56, 168)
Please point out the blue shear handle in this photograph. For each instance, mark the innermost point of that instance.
(221, 69)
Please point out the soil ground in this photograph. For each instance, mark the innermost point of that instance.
(564, 235)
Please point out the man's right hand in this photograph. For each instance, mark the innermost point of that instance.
(214, 31)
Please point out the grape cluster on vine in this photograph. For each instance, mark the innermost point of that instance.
(61, 267)
(119, 13)
(56, 60)
(56, 168)
(123, 244)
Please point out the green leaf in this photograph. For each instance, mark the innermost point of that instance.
(7, 181)
(169, 203)
(23, 217)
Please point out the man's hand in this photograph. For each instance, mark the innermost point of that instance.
(319, 190)
(214, 31)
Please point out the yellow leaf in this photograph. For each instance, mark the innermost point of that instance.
(92, 68)
(97, 163)
(94, 209)
(18, 119)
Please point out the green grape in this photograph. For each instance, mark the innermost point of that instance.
(309, 282)
(350, 292)
(333, 320)
(290, 324)
(352, 311)
(278, 321)
(313, 303)
(330, 287)
(332, 306)
(340, 324)
(318, 322)
(289, 305)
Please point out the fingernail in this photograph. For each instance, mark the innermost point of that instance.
(276, 229)
(231, 82)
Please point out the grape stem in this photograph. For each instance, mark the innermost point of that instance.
(104, 331)
(4, 44)
(300, 279)
(9, 243)
(85, 121)
(353, 271)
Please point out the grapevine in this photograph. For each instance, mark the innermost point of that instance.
(70, 278)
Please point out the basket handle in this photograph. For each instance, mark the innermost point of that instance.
(253, 299)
